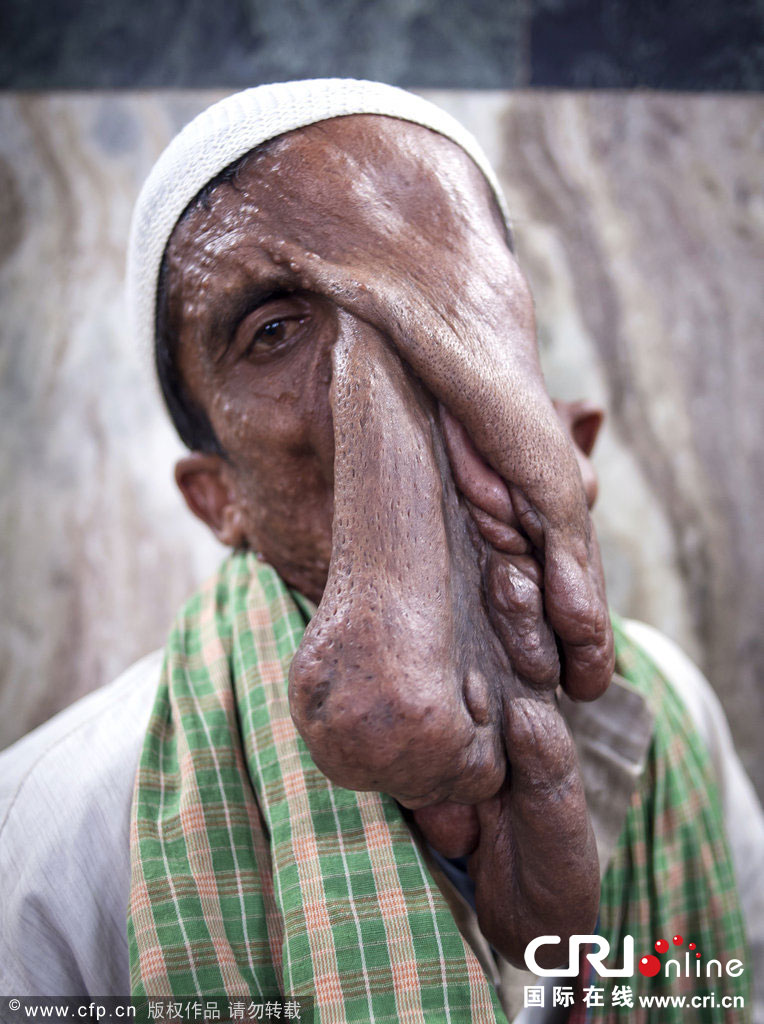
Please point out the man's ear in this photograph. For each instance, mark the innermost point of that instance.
(583, 420)
(204, 481)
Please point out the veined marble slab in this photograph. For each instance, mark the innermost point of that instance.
(638, 219)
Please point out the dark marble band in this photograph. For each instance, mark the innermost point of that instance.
(485, 44)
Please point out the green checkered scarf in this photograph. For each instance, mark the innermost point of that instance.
(252, 875)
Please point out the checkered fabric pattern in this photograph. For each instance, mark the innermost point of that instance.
(251, 873)
(672, 872)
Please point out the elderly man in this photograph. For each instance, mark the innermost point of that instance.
(384, 681)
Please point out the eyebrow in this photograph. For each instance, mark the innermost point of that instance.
(227, 312)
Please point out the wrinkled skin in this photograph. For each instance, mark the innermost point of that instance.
(362, 338)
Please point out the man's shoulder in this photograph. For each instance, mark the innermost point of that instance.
(82, 743)
(65, 795)
(687, 681)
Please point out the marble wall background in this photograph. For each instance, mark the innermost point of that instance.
(639, 222)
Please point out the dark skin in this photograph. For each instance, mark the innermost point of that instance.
(362, 339)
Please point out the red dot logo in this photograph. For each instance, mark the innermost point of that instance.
(692, 945)
(677, 940)
(649, 965)
(661, 946)
(697, 956)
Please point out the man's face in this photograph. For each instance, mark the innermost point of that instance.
(363, 341)
(256, 278)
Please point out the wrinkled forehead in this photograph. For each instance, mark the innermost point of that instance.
(363, 188)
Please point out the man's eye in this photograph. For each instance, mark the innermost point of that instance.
(274, 331)
(273, 334)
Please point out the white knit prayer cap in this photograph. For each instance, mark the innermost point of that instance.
(232, 127)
